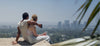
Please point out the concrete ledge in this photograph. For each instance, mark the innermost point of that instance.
(21, 42)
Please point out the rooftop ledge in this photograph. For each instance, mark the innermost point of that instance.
(84, 41)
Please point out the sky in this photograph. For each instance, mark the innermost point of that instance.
(48, 11)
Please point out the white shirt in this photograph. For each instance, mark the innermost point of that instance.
(23, 26)
(28, 35)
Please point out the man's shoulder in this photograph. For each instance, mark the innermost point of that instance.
(26, 21)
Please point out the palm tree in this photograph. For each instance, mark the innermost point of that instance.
(83, 9)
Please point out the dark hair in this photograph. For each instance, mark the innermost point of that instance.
(25, 15)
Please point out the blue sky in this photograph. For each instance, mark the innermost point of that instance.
(48, 11)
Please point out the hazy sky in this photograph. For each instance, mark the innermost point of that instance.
(48, 11)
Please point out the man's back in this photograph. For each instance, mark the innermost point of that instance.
(23, 26)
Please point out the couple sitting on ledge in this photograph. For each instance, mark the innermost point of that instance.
(27, 28)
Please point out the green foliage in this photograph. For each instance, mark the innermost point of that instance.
(84, 9)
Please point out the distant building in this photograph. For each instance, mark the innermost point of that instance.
(75, 25)
(66, 24)
(59, 24)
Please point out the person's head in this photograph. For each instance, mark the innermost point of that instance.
(34, 17)
(25, 16)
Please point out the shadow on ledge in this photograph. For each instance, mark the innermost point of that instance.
(22, 43)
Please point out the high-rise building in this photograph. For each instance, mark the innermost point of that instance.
(59, 24)
(66, 24)
(75, 25)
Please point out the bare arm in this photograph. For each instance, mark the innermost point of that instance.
(35, 33)
(18, 34)
(17, 37)
(34, 23)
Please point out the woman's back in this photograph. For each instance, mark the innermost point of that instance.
(31, 37)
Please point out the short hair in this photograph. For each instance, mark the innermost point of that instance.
(25, 15)
(34, 17)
